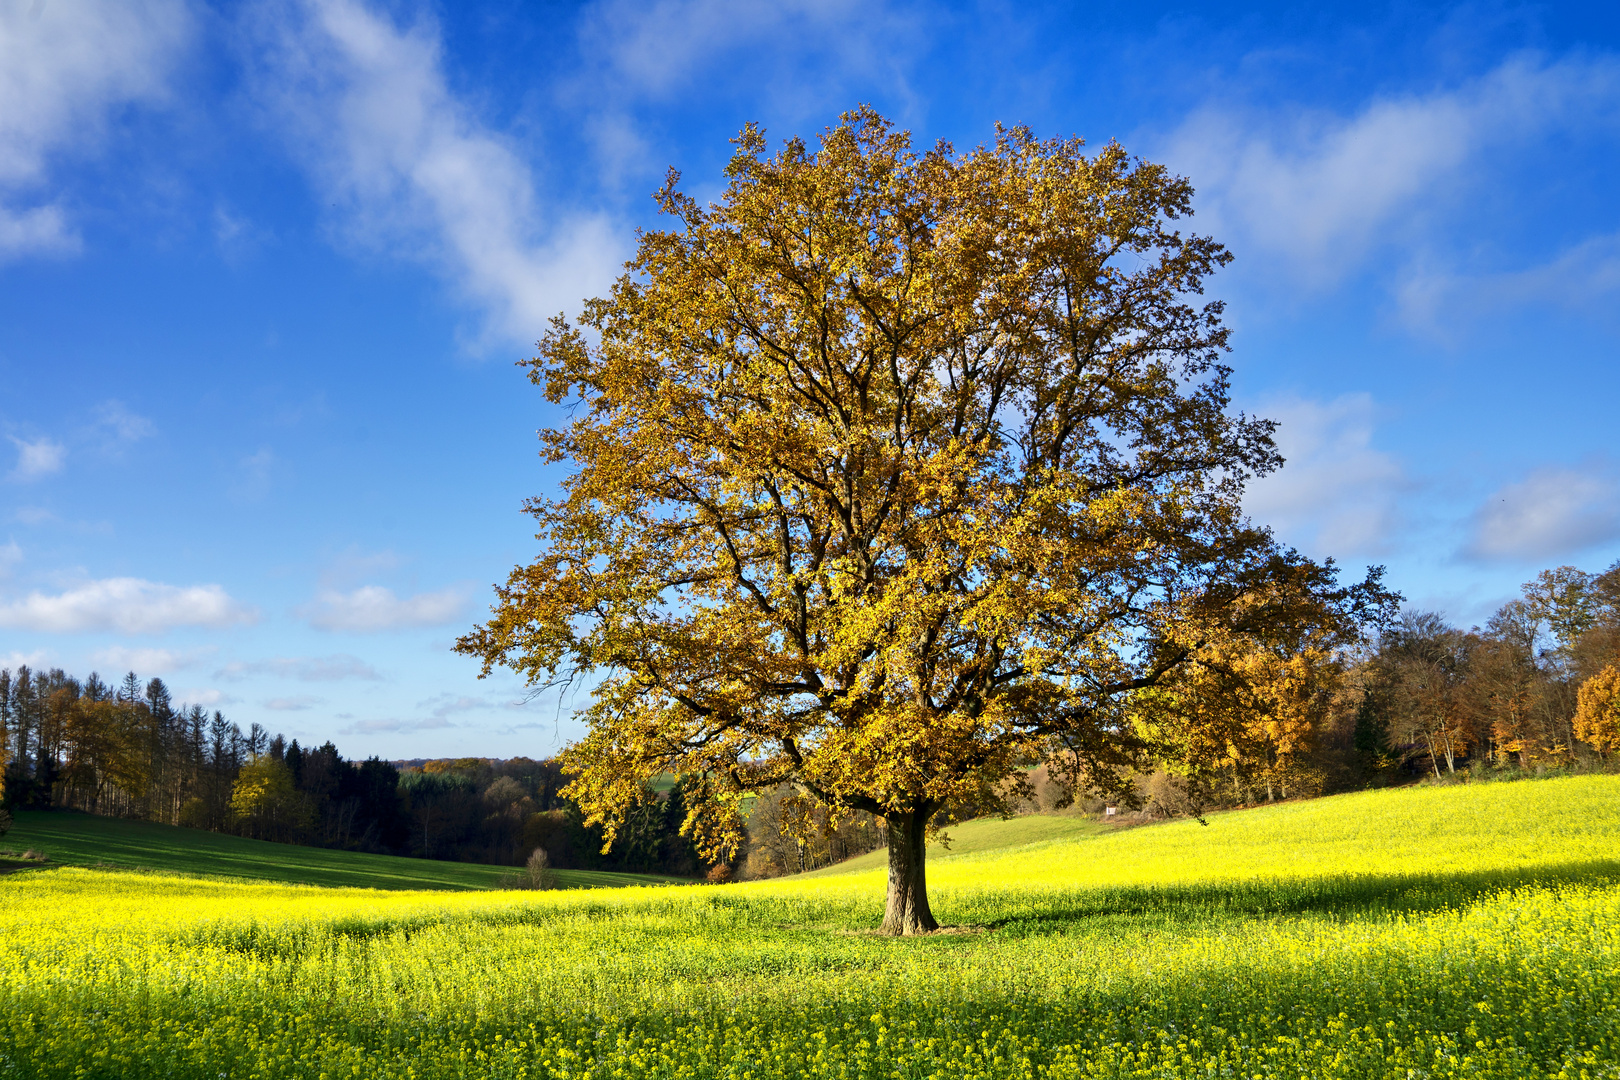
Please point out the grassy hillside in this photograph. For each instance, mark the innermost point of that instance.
(86, 840)
(985, 834)
(1456, 932)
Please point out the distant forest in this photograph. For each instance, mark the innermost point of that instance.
(1536, 688)
(129, 751)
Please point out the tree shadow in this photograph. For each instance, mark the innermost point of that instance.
(1332, 896)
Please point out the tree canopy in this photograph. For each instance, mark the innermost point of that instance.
(895, 473)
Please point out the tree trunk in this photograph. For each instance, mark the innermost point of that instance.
(907, 909)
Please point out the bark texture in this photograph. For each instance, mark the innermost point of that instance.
(907, 909)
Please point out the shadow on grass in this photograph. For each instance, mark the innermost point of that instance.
(1352, 895)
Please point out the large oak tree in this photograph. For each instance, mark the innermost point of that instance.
(896, 473)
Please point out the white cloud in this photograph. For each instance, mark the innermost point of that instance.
(205, 696)
(37, 459)
(303, 668)
(125, 605)
(1323, 192)
(1551, 513)
(14, 660)
(34, 515)
(125, 658)
(10, 555)
(1336, 494)
(372, 607)
(292, 704)
(65, 70)
(364, 104)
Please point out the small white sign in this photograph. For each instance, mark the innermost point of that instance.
(1110, 811)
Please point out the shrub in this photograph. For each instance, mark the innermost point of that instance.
(539, 868)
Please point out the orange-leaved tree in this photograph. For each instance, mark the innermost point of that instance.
(895, 474)
(1597, 715)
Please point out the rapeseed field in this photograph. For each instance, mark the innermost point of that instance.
(1457, 932)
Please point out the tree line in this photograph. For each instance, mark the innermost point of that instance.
(1536, 688)
(127, 750)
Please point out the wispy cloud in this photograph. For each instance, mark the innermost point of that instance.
(1552, 513)
(37, 459)
(373, 607)
(114, 420)
(363, 103)
(1446, 304)
(125, 605)
(297, 703)
(797, 59)
(1319, 194)
(334, 668)
(376, 727)
(1337, 493)
(64, 70)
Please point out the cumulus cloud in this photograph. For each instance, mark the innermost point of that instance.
(1337, 493)
(292, 704)
(373, 607)
(125, 658)
(37, 459)
(125, 605)
(1324, 191)
(364, 104)
(1551, 513)
(65, 70)
(332, 668)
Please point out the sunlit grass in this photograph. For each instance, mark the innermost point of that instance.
(1430, 932)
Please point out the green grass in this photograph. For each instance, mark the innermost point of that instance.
(983, 834)
(75, 839)
(1419, 933)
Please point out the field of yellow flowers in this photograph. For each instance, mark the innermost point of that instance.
(1457, 932)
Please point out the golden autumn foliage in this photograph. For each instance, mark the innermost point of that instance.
(1597, 714)
(894, 474)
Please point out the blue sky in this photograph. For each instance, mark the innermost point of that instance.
(265, 269)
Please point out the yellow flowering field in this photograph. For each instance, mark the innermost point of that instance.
(1456, 932)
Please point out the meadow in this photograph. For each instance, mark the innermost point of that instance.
(74, 839)
(1428, 932)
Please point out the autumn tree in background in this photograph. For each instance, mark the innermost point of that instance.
(1597, 717)
(895, 474)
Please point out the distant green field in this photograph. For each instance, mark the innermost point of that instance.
(984, 834)
(1417, 933)
(77, 839)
